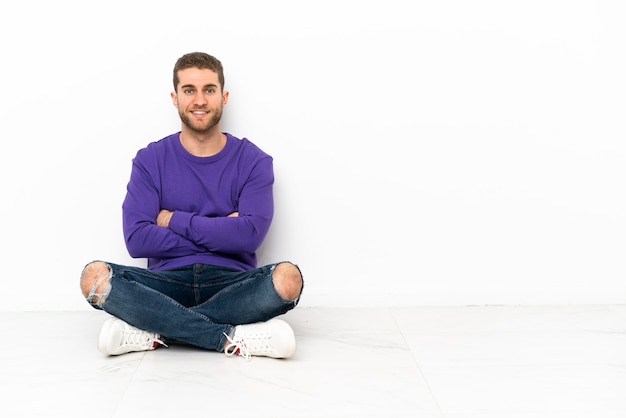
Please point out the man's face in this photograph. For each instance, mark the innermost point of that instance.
(199, 99)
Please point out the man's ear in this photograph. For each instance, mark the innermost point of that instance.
(174, 98)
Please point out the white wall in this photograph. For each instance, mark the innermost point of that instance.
(427, 152)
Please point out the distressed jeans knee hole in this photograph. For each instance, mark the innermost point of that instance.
(100, 289)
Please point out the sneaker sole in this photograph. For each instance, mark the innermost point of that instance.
(102, 338)
(279, 323)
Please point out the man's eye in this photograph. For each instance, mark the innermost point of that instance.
(188, 91)
(210, 90)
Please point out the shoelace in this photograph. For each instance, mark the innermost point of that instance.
(135, 337)
(237, 346)
(245, 346)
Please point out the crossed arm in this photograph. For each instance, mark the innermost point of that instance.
(164, 216)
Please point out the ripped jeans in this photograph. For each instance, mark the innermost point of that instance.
(195, 304)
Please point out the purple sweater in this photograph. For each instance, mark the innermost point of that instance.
(201, 191)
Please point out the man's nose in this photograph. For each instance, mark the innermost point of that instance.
(199, 98)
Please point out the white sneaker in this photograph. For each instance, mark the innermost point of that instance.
(273, 338)
(118, 337)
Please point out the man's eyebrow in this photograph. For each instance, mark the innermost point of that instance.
(193, 87)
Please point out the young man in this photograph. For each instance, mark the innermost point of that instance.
(199, 203)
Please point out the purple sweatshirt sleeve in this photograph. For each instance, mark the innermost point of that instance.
(144, 239)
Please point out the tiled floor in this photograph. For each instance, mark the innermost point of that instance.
(457, 362)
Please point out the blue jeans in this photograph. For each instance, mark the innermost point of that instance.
(195, 304)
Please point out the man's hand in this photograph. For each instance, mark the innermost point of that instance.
(233, 215)
(163, 218)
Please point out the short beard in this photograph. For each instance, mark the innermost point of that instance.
(216, 116)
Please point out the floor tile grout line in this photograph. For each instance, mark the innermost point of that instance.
(421, 372)
(130, 382)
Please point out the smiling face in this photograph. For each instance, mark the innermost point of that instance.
(199, 99)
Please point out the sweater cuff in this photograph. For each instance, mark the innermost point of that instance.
(180, 222)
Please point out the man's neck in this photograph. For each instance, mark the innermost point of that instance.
(203, 144)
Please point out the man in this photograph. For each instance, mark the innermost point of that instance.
(199, 203)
